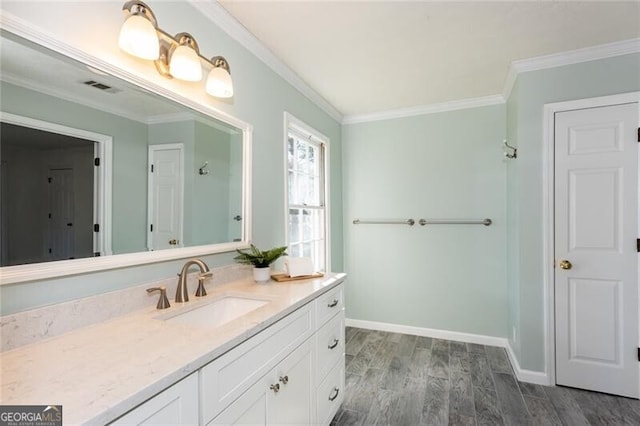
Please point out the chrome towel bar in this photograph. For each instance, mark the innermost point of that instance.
(422, 222)
(485, 222)
(409, 222)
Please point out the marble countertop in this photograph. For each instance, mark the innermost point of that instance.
(99, 372)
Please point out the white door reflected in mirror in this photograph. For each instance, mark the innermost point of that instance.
(166, 189)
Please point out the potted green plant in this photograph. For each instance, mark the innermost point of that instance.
(261, 260)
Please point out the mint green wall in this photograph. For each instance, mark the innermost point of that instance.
(444, 165)
(261, 98)
(129, 185)
(534, 89)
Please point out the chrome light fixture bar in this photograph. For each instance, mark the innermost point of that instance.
(174, 56)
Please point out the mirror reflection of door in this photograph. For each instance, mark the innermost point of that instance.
(61, 214)
(47, 196)
(166, 199)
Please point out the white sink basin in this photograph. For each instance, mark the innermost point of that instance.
(218, 312)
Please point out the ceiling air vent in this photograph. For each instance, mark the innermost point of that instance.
(101, 86)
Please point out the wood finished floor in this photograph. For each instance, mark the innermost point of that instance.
(399, 379)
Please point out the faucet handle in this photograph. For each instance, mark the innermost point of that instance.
(163, 302)
(201, 290)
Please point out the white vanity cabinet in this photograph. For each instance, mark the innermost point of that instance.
(292, 372)
(176, 405)
(306, 387)
(330, 347)
(282, 396)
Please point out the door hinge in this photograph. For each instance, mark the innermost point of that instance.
(638, 245)
(152, 168)
(96, 161)
(96, 254)
(151, 227)
(49, 179)
(49, 251)
(96, 227)
(638, 134)
(638, 354)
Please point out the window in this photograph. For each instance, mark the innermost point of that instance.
(306, 151)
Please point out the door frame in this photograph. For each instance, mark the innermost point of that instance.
(150, 180)
(102, 175)
(548, 211)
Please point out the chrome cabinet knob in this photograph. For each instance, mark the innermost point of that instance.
(284, 379)
(565, 264)
(335, 393)
(275, 388)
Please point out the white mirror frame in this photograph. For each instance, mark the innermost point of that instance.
(47, 270)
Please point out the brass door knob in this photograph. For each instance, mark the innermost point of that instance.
(565, 264)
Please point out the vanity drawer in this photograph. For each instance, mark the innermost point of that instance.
(330, 345)
(331, 394)
(329, 304)
(226, 378)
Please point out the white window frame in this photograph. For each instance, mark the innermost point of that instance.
(298, 126)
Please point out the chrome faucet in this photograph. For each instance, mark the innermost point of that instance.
(182, 293)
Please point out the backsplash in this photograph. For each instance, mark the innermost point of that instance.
(31, 326)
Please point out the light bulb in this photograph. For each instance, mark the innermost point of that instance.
(185, 64)
(219, 83)
(138, 37)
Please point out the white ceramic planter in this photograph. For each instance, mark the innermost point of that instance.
(261, 275)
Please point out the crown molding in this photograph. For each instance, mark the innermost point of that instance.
(425, 109)
(592, 53)
(217, 14)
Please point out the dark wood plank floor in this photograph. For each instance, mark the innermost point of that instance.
(399, 379)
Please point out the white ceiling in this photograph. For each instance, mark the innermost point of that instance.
(365, 57)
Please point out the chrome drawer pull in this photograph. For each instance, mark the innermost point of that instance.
(334, 344)
(275, 388)
(337, 391)
(333, 304)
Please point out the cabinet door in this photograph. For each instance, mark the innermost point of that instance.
(293, 403)
(250, 408)
(176, 405)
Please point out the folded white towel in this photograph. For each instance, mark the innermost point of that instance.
(299, 266)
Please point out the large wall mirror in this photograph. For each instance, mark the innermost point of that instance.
(97, 172)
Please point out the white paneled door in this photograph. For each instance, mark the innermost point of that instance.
(166, 186)
(596, 270)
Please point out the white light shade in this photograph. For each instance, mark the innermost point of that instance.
(138, 37)
(185, 64)
(219, 83)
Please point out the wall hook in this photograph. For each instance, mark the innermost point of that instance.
(203, 170)
(510, 151)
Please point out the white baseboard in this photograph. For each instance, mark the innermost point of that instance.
(428, 332)
(528, 376)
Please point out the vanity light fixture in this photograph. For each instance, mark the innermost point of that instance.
(138, 35)
(184, 59)
(175, 57)
(219, 82)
